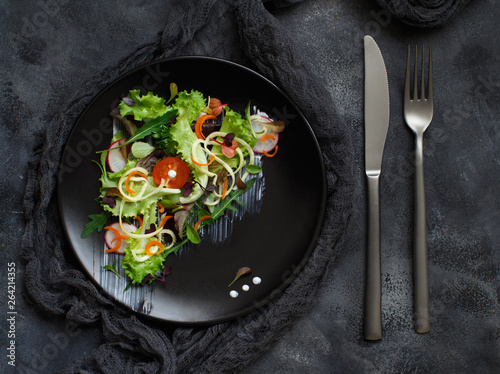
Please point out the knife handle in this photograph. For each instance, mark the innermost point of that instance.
(421, 319)
(373, 314)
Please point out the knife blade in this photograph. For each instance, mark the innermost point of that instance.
(376, 127)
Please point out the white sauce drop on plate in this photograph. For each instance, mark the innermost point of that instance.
(256, 280)
(245, 287)
(234, 294)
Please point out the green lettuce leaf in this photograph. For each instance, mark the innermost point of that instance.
(240, 127)
(141, 149)
(147, 106)
(138, 270)
(188, 105)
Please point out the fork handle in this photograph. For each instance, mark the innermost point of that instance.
(373, 317)
(421, 320)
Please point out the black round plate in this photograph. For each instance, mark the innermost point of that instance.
(274, 242)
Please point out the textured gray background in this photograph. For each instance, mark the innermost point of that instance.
(41, 46)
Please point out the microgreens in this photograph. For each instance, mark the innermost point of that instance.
(167, 270)
(112, 268)
(242, 271)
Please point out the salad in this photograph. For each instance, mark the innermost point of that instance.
(176, 165)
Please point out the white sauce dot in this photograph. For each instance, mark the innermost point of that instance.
(256, 280)
(234, 294)
(245, 287)
(172, 174)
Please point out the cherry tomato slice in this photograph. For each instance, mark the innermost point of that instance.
(179, 172)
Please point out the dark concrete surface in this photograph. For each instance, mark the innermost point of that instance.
(41, 45)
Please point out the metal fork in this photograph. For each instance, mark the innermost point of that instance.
(418, 112)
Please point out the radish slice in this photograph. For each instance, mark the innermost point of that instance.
(256, 121)
(116, 159)
(109, 235)
(268, 145)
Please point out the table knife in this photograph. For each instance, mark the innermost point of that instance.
(376, 126)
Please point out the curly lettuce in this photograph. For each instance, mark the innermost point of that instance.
(144, 107)
(136, 270)
(240, 127)
(188, 106)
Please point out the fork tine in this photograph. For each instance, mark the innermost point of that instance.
(407, 81)
(430, 94)
(415, 73)
(422, 87)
